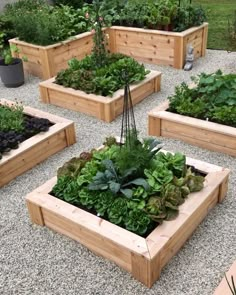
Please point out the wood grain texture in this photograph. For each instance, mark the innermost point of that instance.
(205, 134)
(143, 257)
(158, 47)
(37, 148)
(153, 46)
(46, 61)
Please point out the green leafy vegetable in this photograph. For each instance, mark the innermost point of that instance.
(130, 198)
(213, 98)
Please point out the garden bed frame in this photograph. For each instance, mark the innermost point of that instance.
(205, 134)
(37, 148)
(151, 46)
(101, 107)
(143, 257)
(159, 47)
(46, 61)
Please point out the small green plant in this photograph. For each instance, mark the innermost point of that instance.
(154, 14)
(11, 117)
(6, 52)
(232, 288)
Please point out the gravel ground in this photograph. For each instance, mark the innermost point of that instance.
(37, 261)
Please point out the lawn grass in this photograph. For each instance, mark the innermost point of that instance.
(219, 12)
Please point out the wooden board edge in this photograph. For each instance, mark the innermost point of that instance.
(162, 113)
(41, 198)
(156, 242)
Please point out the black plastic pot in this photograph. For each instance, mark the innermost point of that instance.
(12, 75)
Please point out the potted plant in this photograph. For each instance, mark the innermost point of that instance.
(11, 68)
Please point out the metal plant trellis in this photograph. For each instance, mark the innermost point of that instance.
(128, 120)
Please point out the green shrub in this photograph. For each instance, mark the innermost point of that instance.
(11, 118)
(188, 16)
(43, 24)
(154, 14)
(26, 5)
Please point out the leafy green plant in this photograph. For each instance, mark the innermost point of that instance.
(154, 14)
(137, 221)
(135, 203)
(111, 180)
(188, 16)
(11, 117)
(43, 24)
(24, 5)
(213, 98)
(86, 75)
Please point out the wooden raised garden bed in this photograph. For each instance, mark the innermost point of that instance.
(152, 46)
(223, 288)
(143, 257)
(101, 107)
(158, 47)
(205, 134)
(37, 148)
(46, 61)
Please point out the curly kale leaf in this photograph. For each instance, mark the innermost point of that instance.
(111, 180)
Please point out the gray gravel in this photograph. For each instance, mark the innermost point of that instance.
(37, 261)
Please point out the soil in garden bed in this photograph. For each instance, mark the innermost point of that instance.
(32, 126)
(152, 225)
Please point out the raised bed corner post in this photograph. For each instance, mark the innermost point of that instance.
(35, 212)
